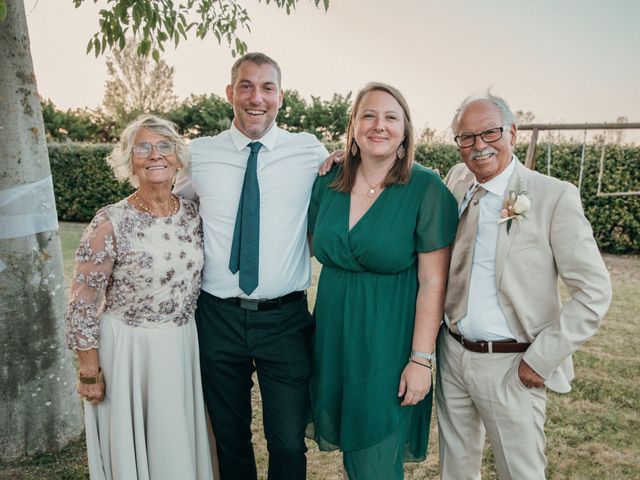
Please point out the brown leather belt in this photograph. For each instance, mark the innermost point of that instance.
(502, 346)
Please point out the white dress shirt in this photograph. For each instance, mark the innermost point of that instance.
(485, 319)
(287, 167)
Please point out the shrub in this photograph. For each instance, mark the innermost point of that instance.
(202, 115)
(83, 183)
(615, 220)
(82, 180)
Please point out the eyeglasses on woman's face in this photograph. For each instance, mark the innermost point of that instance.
(144, 149)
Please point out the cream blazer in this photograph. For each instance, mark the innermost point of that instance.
(553, 242)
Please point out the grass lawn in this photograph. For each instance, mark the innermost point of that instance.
(592, 432)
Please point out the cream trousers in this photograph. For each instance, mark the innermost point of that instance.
(478, 393)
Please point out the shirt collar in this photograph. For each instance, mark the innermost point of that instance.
(240, 140)
(498, 184)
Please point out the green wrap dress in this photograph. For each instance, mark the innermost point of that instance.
(365, 312)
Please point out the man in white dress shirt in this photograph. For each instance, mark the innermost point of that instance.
(266, 327)
(507, 336)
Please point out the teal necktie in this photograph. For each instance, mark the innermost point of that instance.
(246, 235)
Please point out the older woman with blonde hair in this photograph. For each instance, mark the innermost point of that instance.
(381, 227)
(131, 318)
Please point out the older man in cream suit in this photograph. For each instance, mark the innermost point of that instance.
(507, 335)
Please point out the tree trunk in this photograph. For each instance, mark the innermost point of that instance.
(39, 409)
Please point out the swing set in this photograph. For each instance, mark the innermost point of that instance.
(535, 128)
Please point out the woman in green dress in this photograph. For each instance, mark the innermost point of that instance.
(381, 226)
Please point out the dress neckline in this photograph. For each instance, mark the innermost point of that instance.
(140, 212)
(366, 213)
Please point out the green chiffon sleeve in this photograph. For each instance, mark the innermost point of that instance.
(320, 186)
(437, 217)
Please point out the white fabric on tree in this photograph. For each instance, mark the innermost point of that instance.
(32, 207)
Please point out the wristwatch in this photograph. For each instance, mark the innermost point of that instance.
(427, 356)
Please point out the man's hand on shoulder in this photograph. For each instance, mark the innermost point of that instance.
(336, 158)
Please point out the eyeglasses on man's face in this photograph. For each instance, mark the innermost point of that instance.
(491, 135)
(144, 149)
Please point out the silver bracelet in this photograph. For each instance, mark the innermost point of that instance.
(426, 356)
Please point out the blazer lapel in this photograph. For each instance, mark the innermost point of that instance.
(461, 186)
(519, 175)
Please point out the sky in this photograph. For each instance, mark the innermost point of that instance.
(567, 61)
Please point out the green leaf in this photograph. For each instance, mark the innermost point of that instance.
(3, 10)
(156, 55)
(144, 47)
(170, 29)
(137, 16)
(181, 30)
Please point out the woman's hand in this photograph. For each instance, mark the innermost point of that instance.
(415, 380)
(89, 368)
(93, 393)
(415, 383)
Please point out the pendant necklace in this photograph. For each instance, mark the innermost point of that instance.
(372, 188)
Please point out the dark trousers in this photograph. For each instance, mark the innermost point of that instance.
(275, 343)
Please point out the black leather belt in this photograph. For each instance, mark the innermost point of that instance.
(262, 305)
(501, 346)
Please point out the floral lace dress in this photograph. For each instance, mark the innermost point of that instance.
(134, 292)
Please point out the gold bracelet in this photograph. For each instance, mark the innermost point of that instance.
(91, 380)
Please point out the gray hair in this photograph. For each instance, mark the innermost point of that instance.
(120, 159)
(508, 117)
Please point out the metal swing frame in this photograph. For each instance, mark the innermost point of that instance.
(535, 128)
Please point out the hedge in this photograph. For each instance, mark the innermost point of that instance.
(83, 183)
(615, 220)
(82, 180)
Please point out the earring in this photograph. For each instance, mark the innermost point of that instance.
(401, 152)
(354, 148)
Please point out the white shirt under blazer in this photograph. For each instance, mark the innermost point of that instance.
(485, 319)
(287, 166)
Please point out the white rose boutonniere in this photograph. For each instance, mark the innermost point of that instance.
(515, 205)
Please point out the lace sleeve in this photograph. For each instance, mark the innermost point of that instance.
(93, 266)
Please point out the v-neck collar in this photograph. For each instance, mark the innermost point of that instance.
(364, 215)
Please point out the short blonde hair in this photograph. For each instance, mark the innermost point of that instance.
(120, 159)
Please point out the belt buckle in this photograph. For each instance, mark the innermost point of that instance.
(248, 304)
